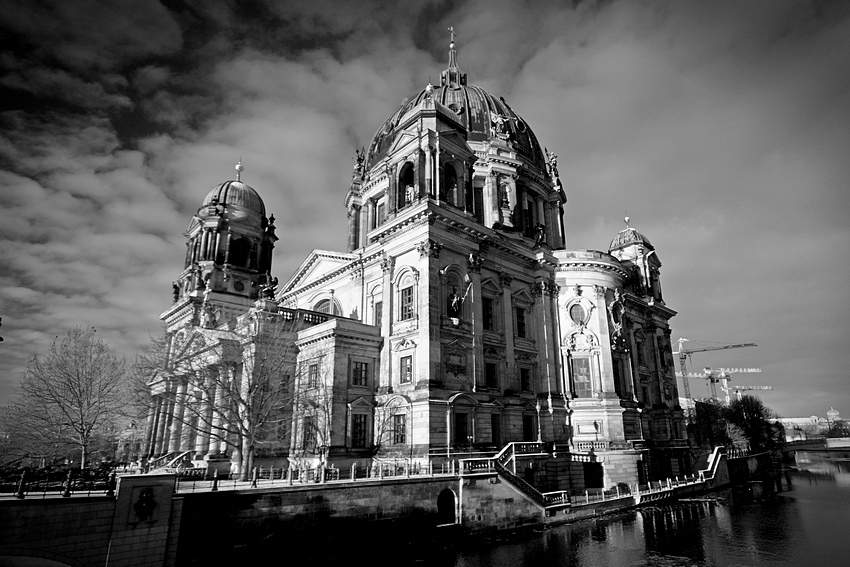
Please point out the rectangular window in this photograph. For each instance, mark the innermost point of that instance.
(491, 374)
(581, 377)
(308, 434)
(496, 428)
(641, 353)
(406, 311)
(528, 433)
(358, 431)
(379, 313)
(313, 376)
(406, 369)
(462, 429)
(478, 196)
(520, 322)
(525, 379)
(359, 373)
(399, 428)
(487, 310)
(382, 213)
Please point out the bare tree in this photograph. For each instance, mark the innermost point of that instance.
(754, 419)
(72, 394)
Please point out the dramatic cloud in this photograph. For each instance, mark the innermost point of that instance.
(720, 128)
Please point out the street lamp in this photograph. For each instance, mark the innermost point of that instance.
(539, 436)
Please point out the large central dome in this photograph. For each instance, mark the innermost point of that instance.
(485, 117)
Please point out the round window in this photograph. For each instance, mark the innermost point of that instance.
(239, 286)
(577, 314)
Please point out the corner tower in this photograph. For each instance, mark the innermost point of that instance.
(229, 244)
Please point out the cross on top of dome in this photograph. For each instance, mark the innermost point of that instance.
(452, 77)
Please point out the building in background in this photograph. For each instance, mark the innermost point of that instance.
(456, 321)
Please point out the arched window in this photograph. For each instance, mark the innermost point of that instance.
(240, 250)
(406, 297)
(324, 306)
(406, 185)
(449, 188)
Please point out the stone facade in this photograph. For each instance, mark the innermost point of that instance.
(456, 321)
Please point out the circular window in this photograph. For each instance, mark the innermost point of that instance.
(239, 286)
(577, 314)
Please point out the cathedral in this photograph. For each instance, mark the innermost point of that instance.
(456, 321)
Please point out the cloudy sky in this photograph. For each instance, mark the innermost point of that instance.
(721, 128)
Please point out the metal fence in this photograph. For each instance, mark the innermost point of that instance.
(290, 476)
(39, 483)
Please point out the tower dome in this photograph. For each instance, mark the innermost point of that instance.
(627, 237)
(235, 193)
(485, 116)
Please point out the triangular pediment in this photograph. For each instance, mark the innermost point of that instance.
(490, 286)
(319, 264)
(401, 140)
(452, 142)
(200, 347)
(523, 296)
(193, 224)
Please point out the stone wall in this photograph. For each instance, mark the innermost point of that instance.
(134, 528)
(73, 531)
(248, 525)
(490, 503)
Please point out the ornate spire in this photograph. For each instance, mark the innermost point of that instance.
(452, 77)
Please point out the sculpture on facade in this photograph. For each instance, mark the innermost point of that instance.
(454, 304)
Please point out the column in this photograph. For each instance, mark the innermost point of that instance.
(228, 415)
(508, 322)
(606, 374)
(437, 175)
(387, 265)
(149, 426)
(204, 419)
(159, 445)
(175, 437)
(153, 420)
(495, 199)
(392, 197)
(474, 266)
(216, 415)
(429, 173)
(353, 227)
(363, 223)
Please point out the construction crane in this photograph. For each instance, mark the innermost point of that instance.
(684, 353)
(739, 389)
(723, 376)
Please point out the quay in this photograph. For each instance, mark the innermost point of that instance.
(160, 519)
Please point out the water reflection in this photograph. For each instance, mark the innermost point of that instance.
(804, 525)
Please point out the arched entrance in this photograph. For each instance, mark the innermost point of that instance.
(446, 507)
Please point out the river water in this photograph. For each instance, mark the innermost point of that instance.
(805, 525)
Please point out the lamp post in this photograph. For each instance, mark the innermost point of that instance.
(539, 436)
